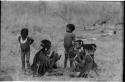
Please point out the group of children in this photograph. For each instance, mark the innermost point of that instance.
(25, 42)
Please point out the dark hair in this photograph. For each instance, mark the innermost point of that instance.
(80, 42)
(46, 44)
(71, 27)
(24, 32)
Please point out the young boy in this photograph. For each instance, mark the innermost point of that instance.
(69, 39)
(25, 42)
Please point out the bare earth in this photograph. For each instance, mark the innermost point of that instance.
(108, 56)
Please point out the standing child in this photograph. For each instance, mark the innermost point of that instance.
(25, 42)
(69, 39)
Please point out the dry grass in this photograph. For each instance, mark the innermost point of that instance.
(50, 24)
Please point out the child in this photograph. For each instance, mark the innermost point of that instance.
(25, 42)
(41, 59)
(69, 39)
(42, 62)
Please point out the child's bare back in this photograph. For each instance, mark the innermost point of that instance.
(69, 38)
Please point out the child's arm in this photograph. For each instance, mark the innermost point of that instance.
(19, 39)
(19, 49)
(82, 62)
(31, 41)
(73, 39)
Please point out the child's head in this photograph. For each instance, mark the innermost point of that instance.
(70, 28)
(24, 33)
(78, 44)
(46, 44)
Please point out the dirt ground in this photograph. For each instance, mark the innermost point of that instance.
(108, 56)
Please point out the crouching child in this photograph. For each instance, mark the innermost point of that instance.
(42, 63)
(83, 61)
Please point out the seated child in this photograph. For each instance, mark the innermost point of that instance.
(42, 62)
(83, 61)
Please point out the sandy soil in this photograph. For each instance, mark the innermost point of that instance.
(109, 54)
(108, 57)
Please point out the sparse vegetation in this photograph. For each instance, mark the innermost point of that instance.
(48, 20)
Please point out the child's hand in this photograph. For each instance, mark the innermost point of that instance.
(31, 41)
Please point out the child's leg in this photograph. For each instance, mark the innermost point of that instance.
(71, 64)
(23, 60)
(27, 59)
(70, 60)
(92, 55)
(65, 60)
(42, 69)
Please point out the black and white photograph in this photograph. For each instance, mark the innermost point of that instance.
(62, 41)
